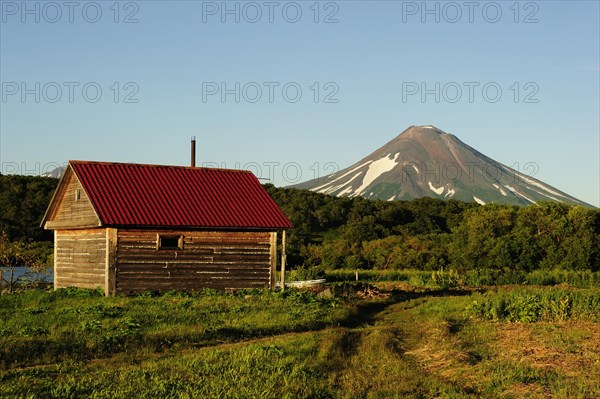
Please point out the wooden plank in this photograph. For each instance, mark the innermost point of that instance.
(137, 268)
(73, 282)
(97, 265)
(78, 284)
(218, 285)
(92, 232)
(111, 261)
(198, 282)
(273, 259)
(193, 270)
(55, 257)
(208, 248)
(198, 264)
(89, 239)
(83, 257)
(243, 258)
(283, 260)
(79, 223)
(195, 273)
(191, 235)
(77, 269)
(74, 272)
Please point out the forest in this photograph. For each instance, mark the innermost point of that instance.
(430, 234)
(489, 242)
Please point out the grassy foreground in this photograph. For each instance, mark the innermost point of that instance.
(393, 341)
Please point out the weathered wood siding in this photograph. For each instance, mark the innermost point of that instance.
(73, 212)
(219, 260)
(80, 258)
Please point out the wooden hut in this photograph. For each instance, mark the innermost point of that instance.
(129, 228)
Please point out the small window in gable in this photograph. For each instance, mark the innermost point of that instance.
(170, 242)
(78, 195)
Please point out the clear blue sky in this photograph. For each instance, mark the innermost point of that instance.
(361, 69)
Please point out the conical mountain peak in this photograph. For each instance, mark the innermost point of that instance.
(425, 161)
(422, 130)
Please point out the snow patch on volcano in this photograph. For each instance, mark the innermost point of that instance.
(514, 190)
(347, 190)
(438, 191)
(539, 185)
(450, 193)
(376, 169)
(479, 201)
(501, 191)
(322, 188)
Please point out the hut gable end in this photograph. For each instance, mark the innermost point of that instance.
(71, 206)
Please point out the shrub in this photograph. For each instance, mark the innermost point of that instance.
(525, 305)
(377, 275)
(575, 278)
(306, 273)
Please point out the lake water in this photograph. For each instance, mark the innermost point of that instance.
(23, 271)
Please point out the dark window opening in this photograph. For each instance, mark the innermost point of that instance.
(77, 195)
(170, 242)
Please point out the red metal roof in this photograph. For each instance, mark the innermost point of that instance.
(173, 196)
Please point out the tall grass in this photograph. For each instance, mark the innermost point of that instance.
(415, 277)
(575, 278)
(532, 305)
(40, 327)
(472, 278)
(500, 276)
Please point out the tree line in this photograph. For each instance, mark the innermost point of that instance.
(430, 234)
(334, 233)
(23, 202)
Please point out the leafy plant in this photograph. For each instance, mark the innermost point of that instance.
(528, 306)
(306, 273)
(445, 279)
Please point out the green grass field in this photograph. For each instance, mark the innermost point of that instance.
(391, 340)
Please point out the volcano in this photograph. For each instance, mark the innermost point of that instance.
(424, 161)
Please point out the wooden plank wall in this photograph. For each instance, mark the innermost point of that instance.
(80, 258)
(218, 260)
(72, 213)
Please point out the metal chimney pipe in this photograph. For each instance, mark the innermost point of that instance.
(193, 151)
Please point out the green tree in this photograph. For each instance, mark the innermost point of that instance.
(582, 247)
(484, 239)
(540, 231)
(23, 201)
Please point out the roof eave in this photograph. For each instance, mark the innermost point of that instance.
(219, 228)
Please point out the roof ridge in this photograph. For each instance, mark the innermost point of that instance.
(81, 162)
